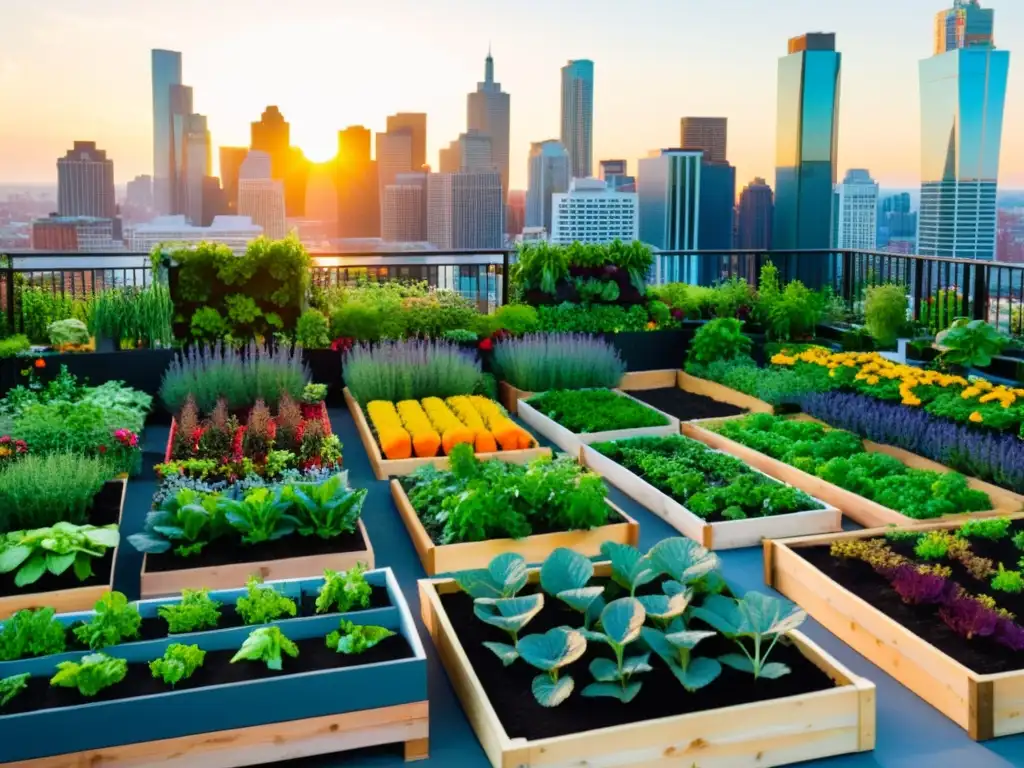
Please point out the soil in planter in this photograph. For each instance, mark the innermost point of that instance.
(684, 405)
(106, 509)
(508, 688)
(981, 654)
(314, 656)
(229, 551)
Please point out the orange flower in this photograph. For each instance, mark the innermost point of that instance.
(976, 417)
(651, 325)
(40, 363)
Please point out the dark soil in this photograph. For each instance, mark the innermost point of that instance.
(508, 688)
(983, 655)
(686, 405)
(106, 509)
(216, 670)
(228, 551)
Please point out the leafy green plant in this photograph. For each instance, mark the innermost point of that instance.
(994, 528)
(565, 575)
(342, 591)
(11, 686)
(550, 652)
(510, 614)
(441, 310)
(327, 509)
(41, 306)
(540, 266)
(885, 312)
(40, 491)
(116, 620)
(178, 663)
(90, 675)
(517, 319)
(503, 577)
(208, 325)
(68, 332)
(242, 311)
(721, 339)
(1008, 581)
(13, 346)
(675, 646)
(29, 633)
(970, 343)
(353, 639)
(261, 515)
(541, 362)
(54, 550)
(595, 410)
(312, 330)
(263, 604)
(787, 313)
(594, 318)
(460, 336)
(186, 522)
(314, 393)
(621, 622)
(266, 644)
(196, 611)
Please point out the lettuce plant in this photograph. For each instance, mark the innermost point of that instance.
(262, 604)
(266, 644)
(196, 611)
(621, 622)
(116, 620)
(344, 591)
(11, 687)
(178, 663)
(90, 675)
(187, 521)
(54, 550)
(30, 633)
(326, 509)
(353, 639)
(261, 515)
(550, 652)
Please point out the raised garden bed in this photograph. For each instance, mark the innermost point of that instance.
(720, 533)
(818, 709)
(978, 682)
(66, 592)
(384, 468)
(140, 369)
(650, 350)
(571, 442)
(448, 558)
(864, 511)
(509, 396)
(232, 714)
(687, 397)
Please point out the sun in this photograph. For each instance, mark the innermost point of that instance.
(320, 149)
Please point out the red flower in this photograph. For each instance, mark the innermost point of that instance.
(342, 344)
(103, 449)
(40, 363)
(486, 345)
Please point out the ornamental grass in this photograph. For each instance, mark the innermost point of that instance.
(410, 370)
(539, 362)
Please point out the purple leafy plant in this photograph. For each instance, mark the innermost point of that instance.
(915, 587)
(968, 617)
(1010, 634)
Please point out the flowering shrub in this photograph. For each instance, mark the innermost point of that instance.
(11, 449)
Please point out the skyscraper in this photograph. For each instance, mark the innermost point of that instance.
(669, 189)
(592, 212)
(416, 124)
(465, 210)
(472, 151)
(515, 212)
(272, 134)
(706, 133)
(181, 120)
(166, 71)
(963, 93)
(549, 172)
(757, 206)
(198, 166)
(139, 193)
(615, 173)
(896, 221)
(394, 156)
(85, 182)
(259, 196)
(806, 149)
(231, 159)
(358, 193)
(578, 115)
(855, 212)
(404, 214)
(717, 209)
(488, 111)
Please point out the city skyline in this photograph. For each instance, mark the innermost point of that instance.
(628, 121)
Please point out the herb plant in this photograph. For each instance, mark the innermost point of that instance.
(344, 591)
(545, 361)
(40, 491)
(720, 339)
(410, 370)
(885, 312)
(116, 620)
(54, 550)
(263, 604)
(31, 632)
(178, 663)
(354, 639)
(595, 410)
(266, 644)
(195, 612)
(90, 675)
(11, 687)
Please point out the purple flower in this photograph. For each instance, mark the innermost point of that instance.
(916, 587)
(969, 618)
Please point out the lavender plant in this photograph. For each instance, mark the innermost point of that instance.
(540, 362)
(410, 370)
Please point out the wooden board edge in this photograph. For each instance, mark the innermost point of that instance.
(638, 381)
(981, 709)
(722, 393)
(365, 435)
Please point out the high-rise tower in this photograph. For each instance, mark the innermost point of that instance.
(85, 182)
(709, 134)
(166, 72)
(549, 173)
(416, 125)
(965, 25)
(488, 111)
(578, 115)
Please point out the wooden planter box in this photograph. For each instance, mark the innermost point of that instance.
(448, 558)
(728, 534)
(70, 599)
(723, 394)
(572, 442)
(385, 468)
(986, 706)
(231, 575)
(256, 721)
(868, 513)
(510, 396)
(763, 734)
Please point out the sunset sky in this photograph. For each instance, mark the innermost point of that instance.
(71, 69)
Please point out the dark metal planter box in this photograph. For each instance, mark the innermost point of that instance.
(141, 369)
(651, 350)
(325, 368)
(289, 716)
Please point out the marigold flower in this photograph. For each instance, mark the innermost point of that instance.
(976, 417)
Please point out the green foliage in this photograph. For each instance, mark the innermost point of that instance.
(11, 686)
(885, 312)
(132, 316)
(353, 639)
(314, 393)
(517, 319)
(621, 622)
(595, 410)
(326, 509)
(732, 296)
(970, 343)
(595, 318)
(40, 491)
(13, 346)
(940, 310)
(312, 331)
(266, 644)
(54, 550)
(1008, 581)
(208, 325)
(263, 604)
(410, 370)
(186, 521)
(479, 501)
(116, 620)
(550, 652)
(196, 611)
(775, 386)
(29, 633)
(40, 307)
(787, 313)
(540, 266)
(460, 336)
(242, 310)
(343, 591)
(694, 301)
(440, 311)
(931, 547)
(541, 362)
(178, 663)
(90, 675)
(68, 332)
(261, 515)
(993, 528)
(721, 339)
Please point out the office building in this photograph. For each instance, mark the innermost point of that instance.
(896, 222)
(257, 165)
(394, 156)
(488, 111)
(756, 209)
(85, 182)
(963, 94)
(806, 149)
(548, 174)
(717, 210)
(236, 232)
(578, 116)
(181, 125)
(855, 212)
(416, 124)
(515, 212)
(214, 202)
(465, 210)
(472, 151)
(261, 197)
(231, 159)
(139, 193)
(272, 134)
(404, 213)
(668, 191)
(590, 212)
(166, 72)
(705, 133)
(76, 234)
(615, 174)
(198, 166)
(358, 192)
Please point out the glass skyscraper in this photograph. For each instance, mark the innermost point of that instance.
(668, 187)
(963, 92)
(578, 115)
(166, 71)
(805, 153)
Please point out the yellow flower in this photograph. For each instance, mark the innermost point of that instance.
(976, 417)
(911, 401)
(970, 392)
(872, 380)
(651, 325)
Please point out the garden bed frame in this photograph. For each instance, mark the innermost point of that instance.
(232, 575)
(868, 513)
(986, 706)
(385, 468)
(572, 442)
(245, 723)
(677, 378)
(728, 534)
(72, 598)
(769, 733)
(448, 558)
(636, 380)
